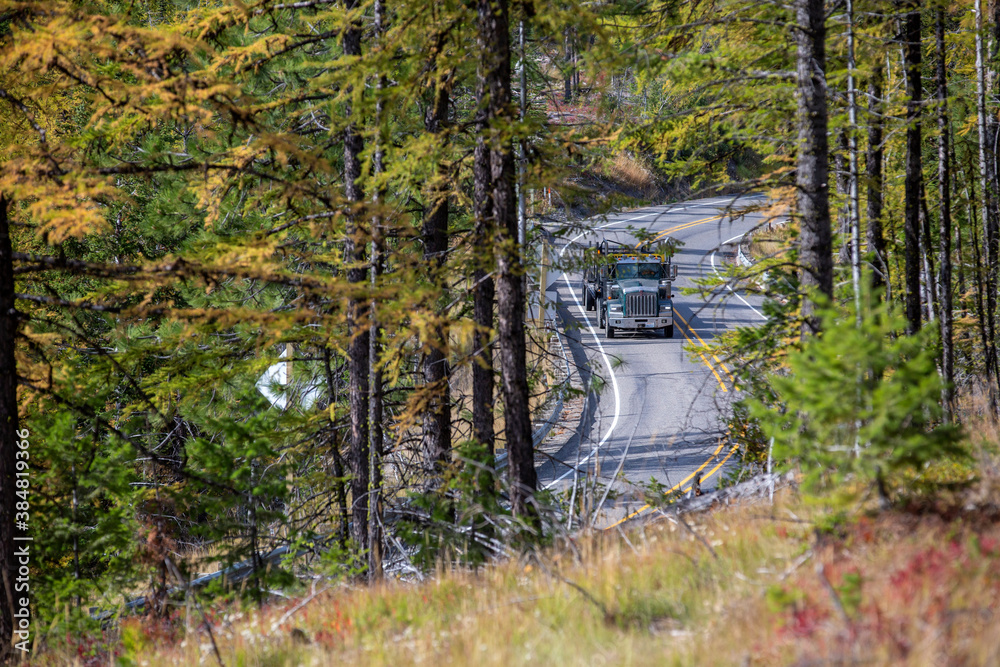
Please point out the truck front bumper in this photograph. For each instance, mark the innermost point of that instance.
(640, 322)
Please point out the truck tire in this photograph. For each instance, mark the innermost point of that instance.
(588, 299)
(610, 331)
(668, 332)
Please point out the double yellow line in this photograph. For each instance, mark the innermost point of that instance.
(677, 228)
(686, 225)
(681, 483)
(705, 345)
(684, 330)
(715, 454)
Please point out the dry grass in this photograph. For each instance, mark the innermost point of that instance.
(788, 584)
(793, 583)
(770, 241)
(632, 173)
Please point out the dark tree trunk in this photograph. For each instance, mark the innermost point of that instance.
(932, 304)
(812, 173)
(358, 349)
(944, 196)
(376, 399)
(993, 132)
(978, 273)
(987, 127)
(873, 169)
(493, 27)
(980, 304)
(483, 290)
(340, 486)
(843, 179)
(568, 64)
(913, 177)
(8, 433)
(437, 413)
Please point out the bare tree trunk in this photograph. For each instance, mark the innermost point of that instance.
(576, 63)
(568, 63)
(989, 220)
(913, 177)
(340, 487)
(358, 349)
(483, 289)
(944, 217)
(980, 304)
(873, 173)
(437, 414)
(815, 243)
(842, 177)
(494, 28)
(932, 303)
(853, 207)
(8, 434)
(376, 399)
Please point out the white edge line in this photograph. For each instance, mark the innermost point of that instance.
(593, 332)
(738, 236)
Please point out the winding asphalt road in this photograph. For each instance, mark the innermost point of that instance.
(657, 416)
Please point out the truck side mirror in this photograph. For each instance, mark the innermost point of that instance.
(673, 271)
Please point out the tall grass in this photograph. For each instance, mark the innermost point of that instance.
(755, 584)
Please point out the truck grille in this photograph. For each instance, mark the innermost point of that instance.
(642, 304)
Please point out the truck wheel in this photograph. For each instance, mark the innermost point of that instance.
(588, 299)
(668, 332)
(610, 331)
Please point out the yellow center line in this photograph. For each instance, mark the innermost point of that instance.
(679, 484)
(719, 361)
(721, 463)
(686, 225)
(703, 358)
(683, 225)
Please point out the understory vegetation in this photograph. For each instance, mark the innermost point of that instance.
(760, 582)
(271, 350)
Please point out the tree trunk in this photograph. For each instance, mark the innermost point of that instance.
(437, 413)
(853, 207)
(989, 220)
(358, 351)
(8, 433)
(913, 177)
(568, 64)
(944, 217)
(816, 248)
(493, 26)
(873, 173)
(340, 486)
(483, 289)
(376, 399)
(842, 177)
(931, 302)
(980, 304)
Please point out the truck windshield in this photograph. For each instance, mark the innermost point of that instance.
(644, 270)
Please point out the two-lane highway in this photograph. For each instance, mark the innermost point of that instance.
(658, 415)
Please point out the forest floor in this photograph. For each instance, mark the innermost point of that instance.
(799, 581)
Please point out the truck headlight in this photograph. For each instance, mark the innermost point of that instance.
(615, 307)
(665, 308)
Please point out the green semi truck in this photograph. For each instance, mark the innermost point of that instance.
(630, 288)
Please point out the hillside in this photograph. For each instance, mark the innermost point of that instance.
(795, 582)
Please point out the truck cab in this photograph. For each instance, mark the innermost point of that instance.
(631, 288)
